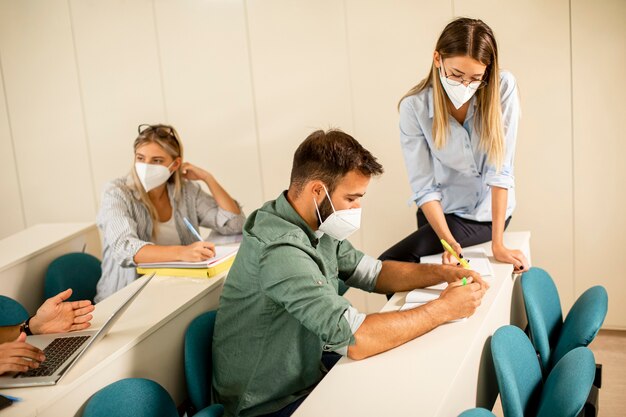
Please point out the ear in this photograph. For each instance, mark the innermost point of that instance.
(177, 163)
(436, 59)
(317, 189)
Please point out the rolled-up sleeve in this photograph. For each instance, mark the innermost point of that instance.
(214, 217)
(119, 226)
(365, 274)
(417, 156)
(509, 98)
(296, 284)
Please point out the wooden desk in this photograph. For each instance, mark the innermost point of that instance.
(147, 341)
(25, 256)
(441, 373)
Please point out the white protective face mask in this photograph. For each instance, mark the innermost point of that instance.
(459, 94)
(340, 224)
(151, 176)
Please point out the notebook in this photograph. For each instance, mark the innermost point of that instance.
(223, 260)
(63, 351)
(222, 253)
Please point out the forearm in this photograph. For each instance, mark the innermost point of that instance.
(157, 253)
(405, 276)
(437, 220)
(222, 198)
(9, 333)
(499, 200)
(383, 331)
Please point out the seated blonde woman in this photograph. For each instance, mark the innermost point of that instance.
(141, 215)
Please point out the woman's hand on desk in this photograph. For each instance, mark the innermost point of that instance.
(58, 316)
(511, 256)
(197, 251)
(19, 356)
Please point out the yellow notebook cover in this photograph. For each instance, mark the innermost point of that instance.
(190, 272)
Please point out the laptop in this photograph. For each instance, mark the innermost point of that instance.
(63, 351)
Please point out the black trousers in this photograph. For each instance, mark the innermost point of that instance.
(425, 242)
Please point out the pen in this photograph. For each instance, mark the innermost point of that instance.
(192, 230)
(14, 399)
(462, 261)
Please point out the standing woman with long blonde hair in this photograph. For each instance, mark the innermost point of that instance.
(458, 129)
(141, 214)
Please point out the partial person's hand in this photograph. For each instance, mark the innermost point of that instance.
(197, 251)
(193, 173)
(511, 256)
(462, 300)
(58, 316)
(447, 258)
(19, 356)
(457, 273)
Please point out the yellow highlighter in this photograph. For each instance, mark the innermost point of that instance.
(462, 261)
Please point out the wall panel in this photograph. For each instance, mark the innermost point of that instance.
(598, 58)
(42, 95)
(11, 209)
(208, 91)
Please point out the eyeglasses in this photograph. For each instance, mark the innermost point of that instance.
(160, 130)
(455, 80)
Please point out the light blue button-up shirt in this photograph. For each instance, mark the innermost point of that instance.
(458, 175)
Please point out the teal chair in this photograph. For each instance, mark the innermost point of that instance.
(78, 271)
(477, 412)
(551, 336)
(523, 392)
(199, 366)
(11, 312)
(131, 397)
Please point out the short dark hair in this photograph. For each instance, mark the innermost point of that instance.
(328, 156)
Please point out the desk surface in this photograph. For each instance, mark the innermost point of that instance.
(131, 348)
(433, 375)
(36, 239)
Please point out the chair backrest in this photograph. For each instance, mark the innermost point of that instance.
(131, 397)
(477, 412)
(78, 271)
(543, 310)
(11, 312)
(568, 384)
(582, 322)
(517, 371)
(198, 359)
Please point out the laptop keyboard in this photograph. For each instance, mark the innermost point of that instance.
(56, 353)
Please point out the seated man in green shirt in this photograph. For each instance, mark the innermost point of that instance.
(280, 309)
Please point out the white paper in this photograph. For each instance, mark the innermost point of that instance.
(478, 261)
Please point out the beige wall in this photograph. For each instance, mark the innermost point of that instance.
(245, 82)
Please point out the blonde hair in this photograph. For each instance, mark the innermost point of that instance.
(167, 138)
(473, 38)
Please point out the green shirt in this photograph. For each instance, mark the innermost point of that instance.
(280, 309)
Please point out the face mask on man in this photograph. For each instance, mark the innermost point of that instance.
(340, 223)
(458, 94)
(151, 175)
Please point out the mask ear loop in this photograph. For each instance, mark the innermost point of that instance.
(329, 200)
(317, 210)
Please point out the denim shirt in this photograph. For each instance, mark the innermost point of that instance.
(458, 175)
